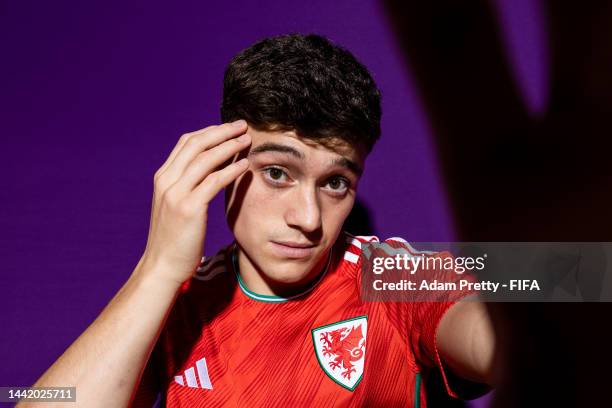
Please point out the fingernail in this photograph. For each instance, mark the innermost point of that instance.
(243, 138)
(239, 123)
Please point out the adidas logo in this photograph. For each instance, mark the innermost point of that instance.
(192, 380)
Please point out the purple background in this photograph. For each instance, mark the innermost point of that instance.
(95, 96)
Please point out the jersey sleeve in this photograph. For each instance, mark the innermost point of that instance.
(419, 315)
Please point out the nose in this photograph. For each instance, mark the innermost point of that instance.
(304, 210)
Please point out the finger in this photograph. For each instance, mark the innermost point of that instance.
(199, 141)
(207, 162)
(202, 141)
(179, 146)
(215, 182)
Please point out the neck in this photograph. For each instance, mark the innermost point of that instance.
(258, 282)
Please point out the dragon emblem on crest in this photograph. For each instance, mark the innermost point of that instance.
(345, 348)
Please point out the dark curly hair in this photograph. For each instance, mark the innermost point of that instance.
(306, 84)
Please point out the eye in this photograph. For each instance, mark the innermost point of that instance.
(275, 175)
(338, 185)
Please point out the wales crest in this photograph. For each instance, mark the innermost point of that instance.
(340, 348)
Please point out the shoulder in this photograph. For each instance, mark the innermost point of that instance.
(212, 266)
(357, 243)
(211, 272)
(351, 248)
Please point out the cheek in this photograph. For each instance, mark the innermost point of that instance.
(261, 197)
(335, 214)
(260, 204)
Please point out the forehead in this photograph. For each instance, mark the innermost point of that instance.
(333, 150)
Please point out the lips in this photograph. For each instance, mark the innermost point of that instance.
(293, 250)
(294, 244)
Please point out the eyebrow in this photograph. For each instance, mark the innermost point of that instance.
(275, 147)
(281, 148)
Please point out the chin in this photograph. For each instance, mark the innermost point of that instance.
(289, 273)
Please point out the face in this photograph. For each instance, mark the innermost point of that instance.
(288, 208)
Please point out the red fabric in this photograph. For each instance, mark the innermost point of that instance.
(262, 354)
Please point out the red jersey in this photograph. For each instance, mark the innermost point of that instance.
(224, 345)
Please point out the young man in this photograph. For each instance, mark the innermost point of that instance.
(275, 318)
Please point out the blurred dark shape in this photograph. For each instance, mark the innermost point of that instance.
(515, 177)
(359, 221)
(436, 393)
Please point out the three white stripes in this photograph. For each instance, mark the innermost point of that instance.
(190, 376)
(354, 258)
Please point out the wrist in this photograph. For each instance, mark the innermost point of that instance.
(156, 274)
